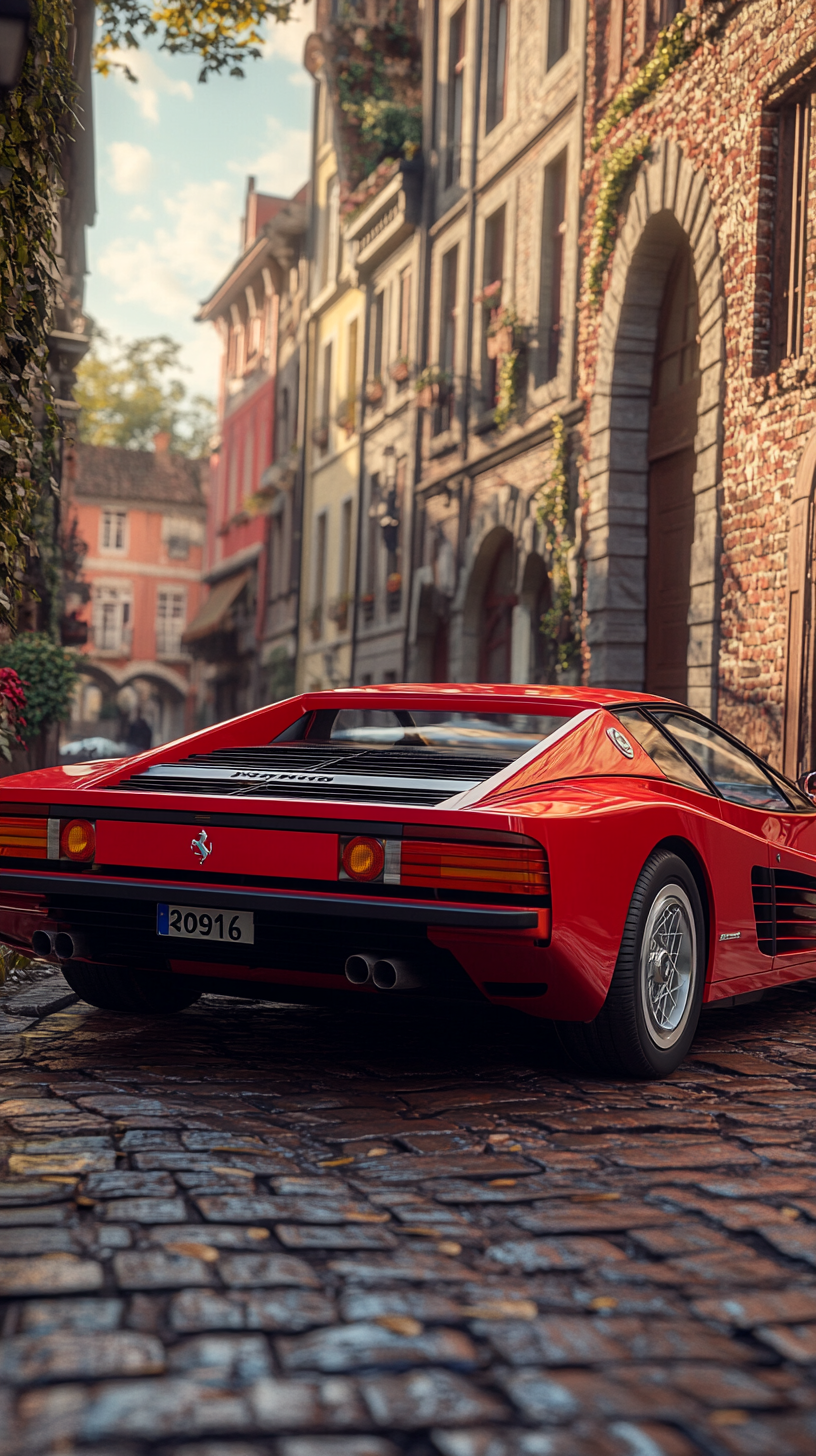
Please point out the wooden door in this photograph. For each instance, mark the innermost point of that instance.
(672, 460)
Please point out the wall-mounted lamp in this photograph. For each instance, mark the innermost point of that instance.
(15, 16)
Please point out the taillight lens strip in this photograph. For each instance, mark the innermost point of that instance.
(27, 837)
(504, 869)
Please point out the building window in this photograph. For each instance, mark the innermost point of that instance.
(614, 51)
(178, 547)
(112, 630)
(323, 429)
(553, 228)
(249, 464)
(492, 274)
(344, 582)
(113, 530)
(443, 415)
(319, 578)
(375, 343)
(404, 319)
(373, 543)
(329, 234)
(456, 94)
(351, 378)
(171, 615)
(791, 231)
(668, 11)
(558, 29)
(497, 65)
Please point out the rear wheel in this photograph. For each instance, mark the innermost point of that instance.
(115, 989)
(647, 1023)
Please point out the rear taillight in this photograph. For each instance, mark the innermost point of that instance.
(24, 838)
(502, 869)
(78, 840)
(363, 858)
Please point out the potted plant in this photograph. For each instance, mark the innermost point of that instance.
(490, 294)
(432, 386)
(503, 333)
(347, 416)
(374, 390)
(320, 435)
(367, 604)
(314, 621)
(400, 369)
(338, 613)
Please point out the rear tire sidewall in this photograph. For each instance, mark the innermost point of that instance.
(662, 870)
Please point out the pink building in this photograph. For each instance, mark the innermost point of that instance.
(141, 516)
(245, 633)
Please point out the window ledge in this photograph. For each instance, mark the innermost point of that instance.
(442, 444)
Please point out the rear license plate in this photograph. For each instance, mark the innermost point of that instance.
(192, 923)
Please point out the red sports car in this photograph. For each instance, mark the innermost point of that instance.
(608, 861)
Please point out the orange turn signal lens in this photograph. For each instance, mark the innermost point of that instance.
(24, 838)
(78, 840)
(363, 859)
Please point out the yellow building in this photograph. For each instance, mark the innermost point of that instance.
(335, 325)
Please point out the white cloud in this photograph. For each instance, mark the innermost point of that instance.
(286, 41)
(131, 166)
(282, 167)
(183, 261)
(139, 213)
(151, 81)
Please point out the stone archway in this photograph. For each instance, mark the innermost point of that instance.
(668, 193)
(531, 654)
(800, 666)
(483, 614)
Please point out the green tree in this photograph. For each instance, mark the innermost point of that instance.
(36, 124)
(129, 391)
(47, 673)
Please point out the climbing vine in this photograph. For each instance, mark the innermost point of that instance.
(509, 370)
(375, 73)
(33, 119)
(616, 171)
(553, 521)
(674, 46)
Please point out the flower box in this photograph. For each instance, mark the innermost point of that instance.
(374, 391)
(400, 371)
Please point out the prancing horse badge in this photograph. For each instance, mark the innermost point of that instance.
(201, 846)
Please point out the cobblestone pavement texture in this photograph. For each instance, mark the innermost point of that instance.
(270, 1229)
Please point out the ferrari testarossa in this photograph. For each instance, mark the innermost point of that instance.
(605, 860)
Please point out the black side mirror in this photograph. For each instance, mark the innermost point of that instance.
(807, 783)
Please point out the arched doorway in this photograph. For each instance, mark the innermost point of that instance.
(669, 205)
(496, 627)
(672, 463)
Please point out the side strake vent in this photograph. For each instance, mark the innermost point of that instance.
(423, 776)
(785, 910)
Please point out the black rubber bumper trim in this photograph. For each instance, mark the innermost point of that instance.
(467, 916)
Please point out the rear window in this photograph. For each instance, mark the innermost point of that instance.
(502, 735)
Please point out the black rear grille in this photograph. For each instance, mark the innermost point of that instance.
(785, 910)
(422, 776)
(123, 933)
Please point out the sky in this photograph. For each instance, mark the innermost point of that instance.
(172, 159)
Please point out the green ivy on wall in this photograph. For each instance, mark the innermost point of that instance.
(674, 46)
(32, 135)
(616, 172)
(377, 73)
(553, 519)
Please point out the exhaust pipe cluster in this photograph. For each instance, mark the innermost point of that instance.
(386, 973)
(63, 944)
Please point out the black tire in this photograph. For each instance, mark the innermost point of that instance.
(626, 1037)
(142, 992)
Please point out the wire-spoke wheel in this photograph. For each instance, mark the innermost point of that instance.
(647, 1023)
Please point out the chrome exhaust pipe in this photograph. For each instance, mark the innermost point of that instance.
(67, 945)
(359, 969)
(42, 942)
(395, 975)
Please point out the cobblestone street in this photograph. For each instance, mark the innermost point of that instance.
(264, 1229)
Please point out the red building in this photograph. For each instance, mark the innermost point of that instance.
(245, 631)
(140, 514)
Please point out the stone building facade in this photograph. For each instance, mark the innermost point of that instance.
(503, 136)
(697, 364)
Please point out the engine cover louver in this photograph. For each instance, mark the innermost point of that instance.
(420, 776)
(785, 910)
